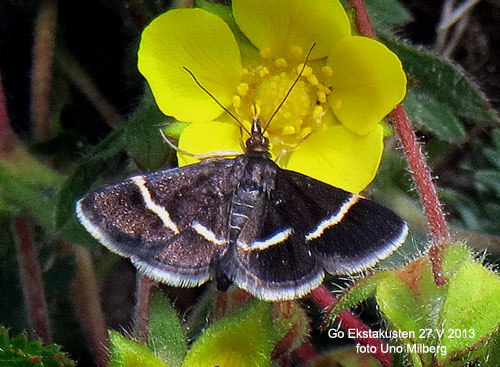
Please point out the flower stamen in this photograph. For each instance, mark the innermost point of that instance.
(288, 130)
(281, 63)
(327, 70)
(313, 79)
(321, 97)
(296, 51)
(265, 52)
(242, 89)
(263, 72)
(236, 100)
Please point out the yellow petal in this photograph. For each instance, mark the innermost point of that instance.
(282, 25)
(201, 42)
(368, 82)
(208, 137)
(339, 157)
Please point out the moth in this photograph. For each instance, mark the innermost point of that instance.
(244, 220)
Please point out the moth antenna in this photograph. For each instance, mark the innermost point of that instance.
(173, 146)
(215, 99)
(212, 155)
(291, 88)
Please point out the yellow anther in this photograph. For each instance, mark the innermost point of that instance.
(281, 63)
(286, 115)
(236, 101)
(242, 89)
(263, 72)
(337, 105)
(265, 52)
(307, 71)
(244, 71)
(321, 97)
(282, 75)
(318, 112)
(324, 89)
(312, 79)
(296, 51)
(298, 123)
(288, 130)
(305, 132)
(327, 70)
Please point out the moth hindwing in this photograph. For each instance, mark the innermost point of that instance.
(272, 232)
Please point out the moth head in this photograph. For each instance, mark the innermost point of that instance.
(257, 143)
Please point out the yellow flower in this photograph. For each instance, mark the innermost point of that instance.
(328, 128)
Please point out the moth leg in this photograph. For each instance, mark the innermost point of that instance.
(282, 153)
(222, 280)
(202, 156)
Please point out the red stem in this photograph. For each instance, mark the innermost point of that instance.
(31, 279)
(418, 167)
(421, 175)
(85, 292)
(8, 141)
(42, 69)
(305, 352)
(348, 320)
(27, 256)
(362, 19)
(428, 195)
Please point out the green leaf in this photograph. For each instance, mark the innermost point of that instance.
(344, 357)
(82, 178)
(175, 129)
(226, 14)
(385, 14)
(496, 138)
(24, 195)
(20, 351)
(142, 136)
(28, 185)
(443, 82)
(222, 11)
(472, 306)
(128, 353)
(491, 357)
(198, 317)
(493, 156)
(399, 305)
(490, 178)
(437, 117)
(166, 337)
(455, 256)
(245, 339)
(360, 291)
